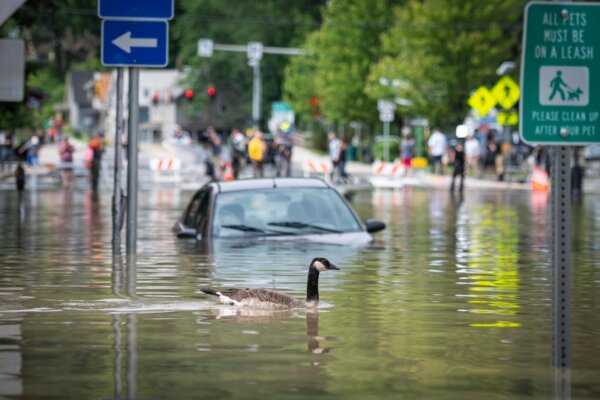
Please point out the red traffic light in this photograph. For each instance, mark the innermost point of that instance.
(211, 91)
(189, 94)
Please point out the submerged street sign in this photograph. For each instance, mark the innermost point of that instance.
(560, 74)
(136, 9)
(135, 43)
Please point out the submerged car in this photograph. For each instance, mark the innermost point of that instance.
(277, 208)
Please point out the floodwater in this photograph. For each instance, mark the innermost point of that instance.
(452, 301)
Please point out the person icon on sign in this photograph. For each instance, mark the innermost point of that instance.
(556, 84)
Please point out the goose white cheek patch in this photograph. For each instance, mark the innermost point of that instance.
(320, 266)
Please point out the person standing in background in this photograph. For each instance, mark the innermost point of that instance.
(65, 151)
(458, 162)
(238, 151)
(6, 149)
(473, 155)
(257, 149)
(94, 160)
(334, 146)
(407, 152)
(437, 145)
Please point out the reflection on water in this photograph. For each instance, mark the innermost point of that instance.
(487, 261)
(419, 314)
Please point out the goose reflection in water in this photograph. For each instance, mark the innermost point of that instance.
(258, 316)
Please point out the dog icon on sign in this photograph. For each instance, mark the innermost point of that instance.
(564, 86)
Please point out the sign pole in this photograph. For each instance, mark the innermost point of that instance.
(561, 256)
(132, 164)
(118, 192)
(386, 143)
(256, 95)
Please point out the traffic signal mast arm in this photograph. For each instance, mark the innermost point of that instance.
(291, 51)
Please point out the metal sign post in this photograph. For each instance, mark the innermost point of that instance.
(386, 115)
(559, 105)
(117, 193)
(132, 158)
(255, 52)
(561, 256)
(134, 34)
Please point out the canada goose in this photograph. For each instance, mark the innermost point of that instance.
(271, 299)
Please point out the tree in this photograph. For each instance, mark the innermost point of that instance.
(347, 45)
(58, 35)
(440, 50)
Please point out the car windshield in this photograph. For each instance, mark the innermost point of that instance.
(282, 211)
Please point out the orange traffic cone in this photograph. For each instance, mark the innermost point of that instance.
(228, 173)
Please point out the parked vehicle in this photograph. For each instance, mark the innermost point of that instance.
(279, 208)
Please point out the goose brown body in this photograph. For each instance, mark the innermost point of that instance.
(272, 299)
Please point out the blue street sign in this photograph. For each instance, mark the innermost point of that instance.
(136, 9)
(135, 43)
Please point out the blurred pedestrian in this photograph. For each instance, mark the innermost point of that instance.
(31, 150)
(407, 152)
(6, 149)
(283, 155)
(93, 159)
(458, 163)
(257, 150)
(238, 151)
(20, 177)
(216, 145)
(493, 156)
(333, 146)
(472, 155)
(437, 147)
(65, 152)
(58, 124)
(341, 163)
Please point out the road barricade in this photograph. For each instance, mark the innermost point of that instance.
(321, 167)
(165, 169)
(388, 169)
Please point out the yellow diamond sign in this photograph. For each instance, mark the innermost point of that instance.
(506, 92)
(482, 100)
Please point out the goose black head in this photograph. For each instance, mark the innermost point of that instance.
(322, 264)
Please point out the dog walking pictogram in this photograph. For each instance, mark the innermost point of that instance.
(557, 84)
(564, 86)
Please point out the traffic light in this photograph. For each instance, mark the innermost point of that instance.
(189, 94)
(211, 91)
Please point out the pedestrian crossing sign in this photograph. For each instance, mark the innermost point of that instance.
(506, 92)
(482, 100)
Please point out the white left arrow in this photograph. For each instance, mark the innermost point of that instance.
(125, 42)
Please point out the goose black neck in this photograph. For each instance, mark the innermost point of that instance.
(312, 286)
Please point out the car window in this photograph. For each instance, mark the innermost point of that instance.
(313, 210)
(197, 214)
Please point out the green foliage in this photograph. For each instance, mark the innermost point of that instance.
(441, 50)
(59, 35)
(343, 51)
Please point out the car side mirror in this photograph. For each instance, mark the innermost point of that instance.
(187, 233)
(374, 225)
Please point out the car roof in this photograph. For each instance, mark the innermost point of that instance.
(269, 183)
